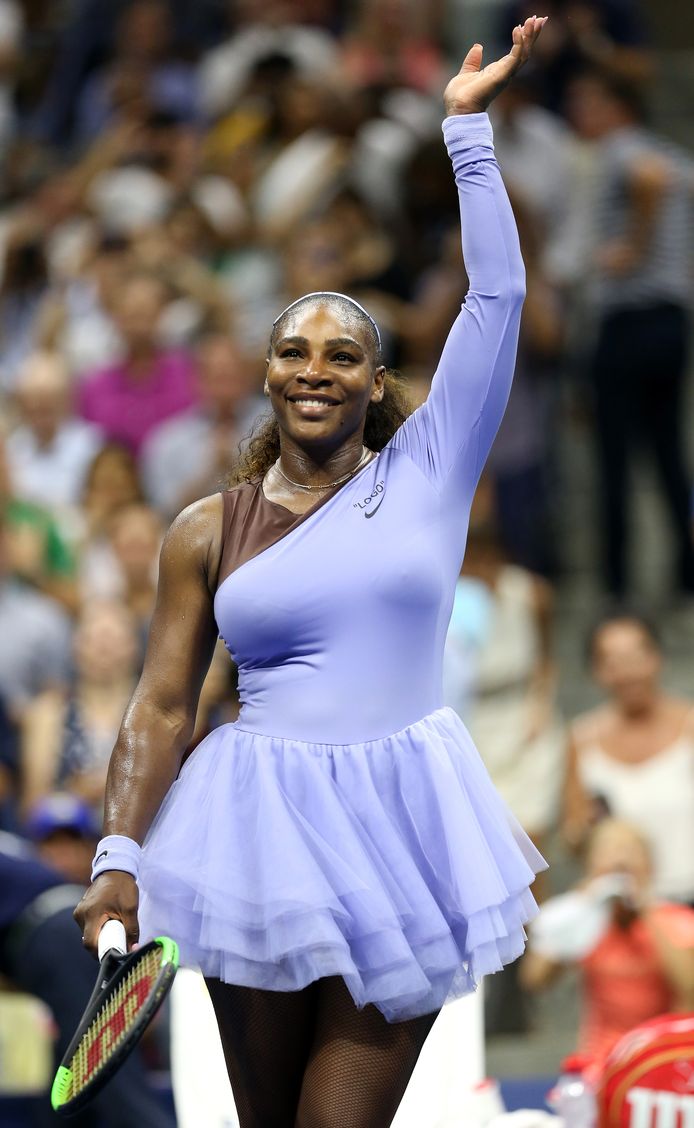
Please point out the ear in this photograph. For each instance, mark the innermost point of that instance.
(379, 384)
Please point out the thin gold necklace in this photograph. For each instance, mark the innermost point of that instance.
(365, 452)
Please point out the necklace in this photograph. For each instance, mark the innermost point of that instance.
(365, 453)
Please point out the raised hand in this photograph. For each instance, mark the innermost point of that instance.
(475, 86)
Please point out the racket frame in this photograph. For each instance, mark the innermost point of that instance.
(113, 969)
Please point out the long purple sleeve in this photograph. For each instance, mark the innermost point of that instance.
(450, 435)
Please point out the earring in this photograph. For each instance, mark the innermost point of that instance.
(266, 389)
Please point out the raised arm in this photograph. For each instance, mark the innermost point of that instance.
(456, 425)
(159, 721)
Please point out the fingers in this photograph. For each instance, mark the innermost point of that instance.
(524, 36)
(473, 60)
(91, 927)
(113, 895)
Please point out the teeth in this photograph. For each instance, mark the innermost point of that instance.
(312, 402)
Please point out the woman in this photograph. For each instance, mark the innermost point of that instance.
(513, 718)
(341, 843)
(67, 736)
(112, 484)
(634, 952)
(633, 756)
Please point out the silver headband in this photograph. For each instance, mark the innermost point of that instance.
(331, 294)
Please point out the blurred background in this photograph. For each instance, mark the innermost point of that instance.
(172, 174)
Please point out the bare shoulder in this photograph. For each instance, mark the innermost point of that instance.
(681, 712)
(590, 726)
(194, 537)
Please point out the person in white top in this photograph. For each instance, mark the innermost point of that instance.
(50, 451)
(633, 756)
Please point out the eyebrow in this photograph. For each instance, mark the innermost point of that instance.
(330, 344)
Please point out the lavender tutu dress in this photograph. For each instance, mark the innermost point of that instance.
(345, 825)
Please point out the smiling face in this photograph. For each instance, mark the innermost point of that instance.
(322, 374)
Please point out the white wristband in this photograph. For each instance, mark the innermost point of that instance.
(116, 852)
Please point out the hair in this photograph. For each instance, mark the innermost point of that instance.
(382, 419)
(113, 450)
(342, 304)
(628, 94)
(621, 615)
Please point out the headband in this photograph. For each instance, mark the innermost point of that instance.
(331, 294)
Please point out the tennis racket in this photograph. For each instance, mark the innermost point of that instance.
(129, 990)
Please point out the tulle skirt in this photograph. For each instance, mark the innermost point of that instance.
(393, 863)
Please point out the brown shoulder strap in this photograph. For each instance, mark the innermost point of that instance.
(250, 524)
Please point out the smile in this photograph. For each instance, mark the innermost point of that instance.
(313, 401)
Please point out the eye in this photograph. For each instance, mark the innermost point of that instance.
(344, 357)
(290, 352)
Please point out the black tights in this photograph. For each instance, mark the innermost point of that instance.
(311, 1059)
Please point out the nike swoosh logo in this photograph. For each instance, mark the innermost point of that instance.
(103, 854)
(375, 511)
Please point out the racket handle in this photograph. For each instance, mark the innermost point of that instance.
(112, 935)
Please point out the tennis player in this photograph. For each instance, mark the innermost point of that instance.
(337, 861)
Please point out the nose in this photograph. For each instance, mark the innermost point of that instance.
(314, 373)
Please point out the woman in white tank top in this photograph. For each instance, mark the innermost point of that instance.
(634, 756)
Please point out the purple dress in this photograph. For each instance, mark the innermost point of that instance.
(345, 825)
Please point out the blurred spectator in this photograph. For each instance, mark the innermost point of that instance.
(271, 31)
(76, 319)
(535, 149)
(390, 45)
(37, 551)
(303, 156)
(50, 451)
(112, 483)
(609, 34)
(150, 384)
(34, 636)
(86, 40)
(633, 756)
(42, 954)
(9, 768)
(521, 460)
(473, 606)
(23, 286)
(68, 734)
(640, 292)
(11, 27)
(635, 954)
(136, 533)
(189, 456)
(65, 832)
(218, 703)
(197, 301)
(143, 49)
(502, 657)
(513, 716)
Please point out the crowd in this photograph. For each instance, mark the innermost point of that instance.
(174, 172)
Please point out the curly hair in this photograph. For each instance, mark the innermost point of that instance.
(382, 421)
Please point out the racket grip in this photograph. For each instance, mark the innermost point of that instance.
(112, 935)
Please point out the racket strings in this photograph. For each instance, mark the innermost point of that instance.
(113, 1022)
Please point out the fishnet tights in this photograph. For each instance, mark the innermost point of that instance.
(311, 1059)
